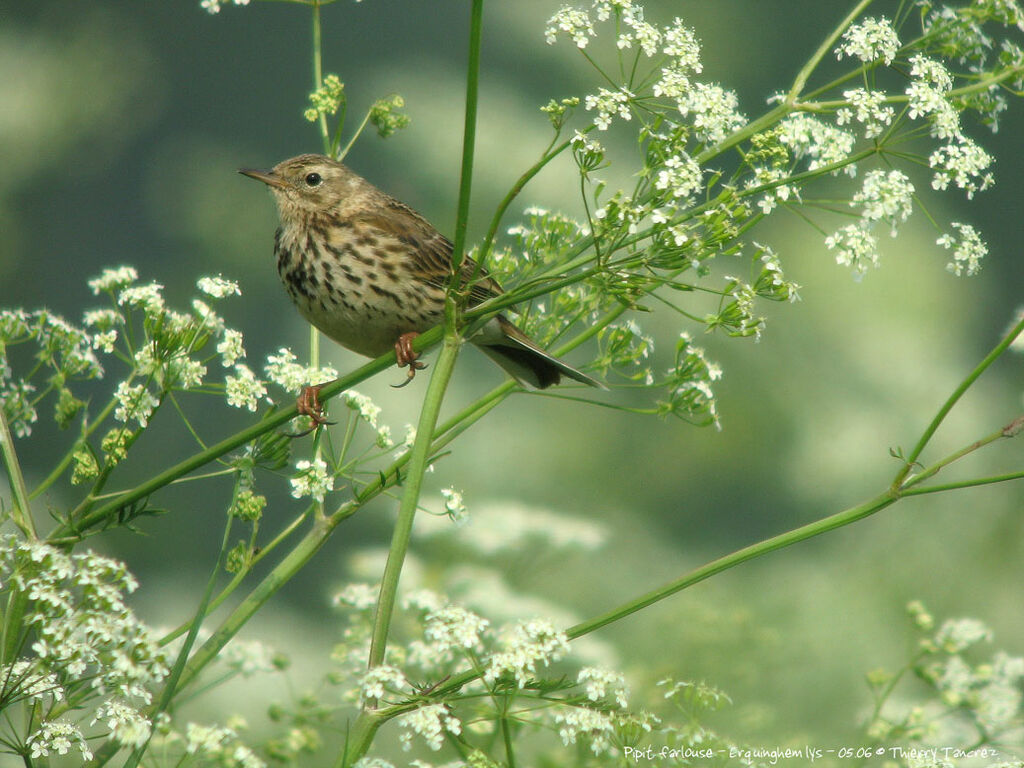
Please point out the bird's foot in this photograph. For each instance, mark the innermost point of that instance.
(407, 356)
(308, 404)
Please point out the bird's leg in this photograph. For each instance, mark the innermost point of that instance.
(308, 404)
(407, 356)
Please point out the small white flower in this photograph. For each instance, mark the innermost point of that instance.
(964, 163)
(968, 250)
(870, 41)
(573, 722)
(430, 722)
(524, 646)
(134, 402)
(207, 739)
(885, 197)
(230, 347)
(375, 683)
(362, 597)
(218, 287)
(855, 247)
(147, 297)
(312, 479)
(574, 22)
(454, 506)
(113, 278)
(604, 683)
(244, 390)
(454, 628)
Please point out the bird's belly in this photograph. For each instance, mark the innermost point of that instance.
(363, 309)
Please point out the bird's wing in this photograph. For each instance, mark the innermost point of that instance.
(431, 252)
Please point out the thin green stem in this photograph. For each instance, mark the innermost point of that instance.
(202, 611)
(823, 50)
(270, 422)
(952, 400)
(804, 532)
(70, 455)
(318, 72)
(22, 510)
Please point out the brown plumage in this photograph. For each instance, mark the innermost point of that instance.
(370, 272)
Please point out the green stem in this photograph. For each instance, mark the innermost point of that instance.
(171, 686)
(804, 532)
(22, 511)
(418, 461)
(823, 50)
(70, 455)
(318, 72)
(468, 137)
(240, 438)
(953, 399)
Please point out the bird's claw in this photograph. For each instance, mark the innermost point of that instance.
(308, 404)
(405, 355)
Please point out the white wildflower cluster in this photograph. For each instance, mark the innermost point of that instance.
(604, 684)
(218, 287)
(454, 506)
(86, 637)
(524, 646)
(626, 349)
(691, 395)
(855, 246)
(454, 628)
(283, 370)
(713, 110)
(989, 691)
(871, 40)
(243, 389)
(885, 197)
(430, 722)
(576, 722)
(370, 413)
(58, 737)
(360, 596)
(927, 97)
(134, 401)
(821, 143)
(249, 657)
(575, 23)
(963, 163)
(127, 726)
(214, 6)
(681, 176)
(312, 479)
(64, 353)
(968, 249)
(869, 109)
(231, 347)
(381, 680)
(608, 104)
(113, 279)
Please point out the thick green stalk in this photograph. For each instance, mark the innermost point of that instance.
(22, 512)
(418, 461)
(443, 367)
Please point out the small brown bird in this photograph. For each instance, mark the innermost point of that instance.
(370, 272)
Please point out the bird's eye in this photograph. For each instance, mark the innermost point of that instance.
(313, 179)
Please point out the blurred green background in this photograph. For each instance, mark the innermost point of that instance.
(122, 126)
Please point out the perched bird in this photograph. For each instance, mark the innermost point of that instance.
(370, 273)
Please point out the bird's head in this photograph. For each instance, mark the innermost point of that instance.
(308, 184)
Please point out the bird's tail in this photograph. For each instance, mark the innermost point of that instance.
(527, 363)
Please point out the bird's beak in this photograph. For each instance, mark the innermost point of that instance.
(267, 177)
